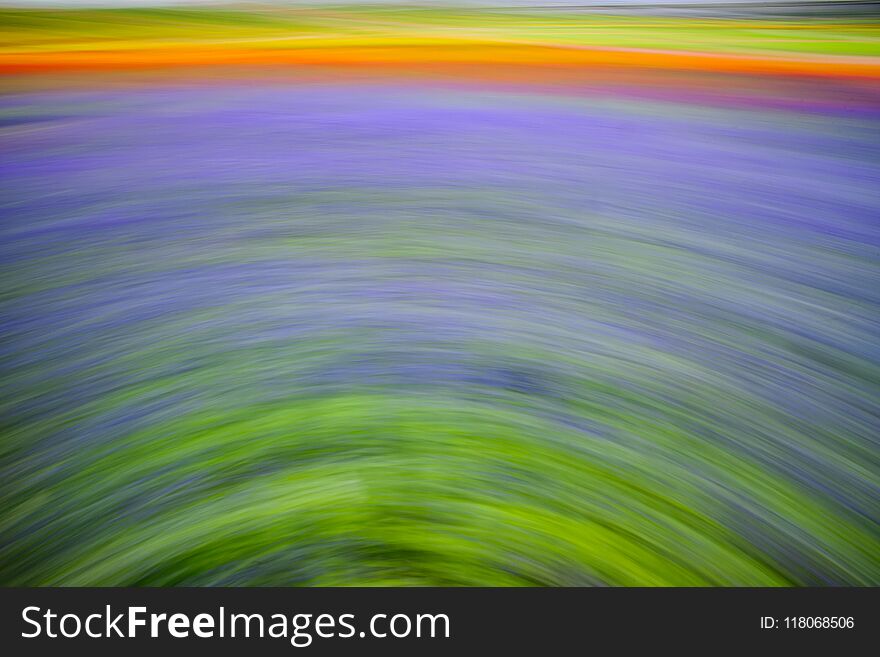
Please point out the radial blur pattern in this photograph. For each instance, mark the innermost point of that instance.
(568, 326)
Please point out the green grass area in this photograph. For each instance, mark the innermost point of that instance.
(20, 28)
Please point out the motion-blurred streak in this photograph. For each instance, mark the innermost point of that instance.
(382, 297)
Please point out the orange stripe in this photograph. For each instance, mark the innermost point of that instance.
(407, 57)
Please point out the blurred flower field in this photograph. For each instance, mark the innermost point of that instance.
(406, 296)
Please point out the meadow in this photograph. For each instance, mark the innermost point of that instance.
(400, 296)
